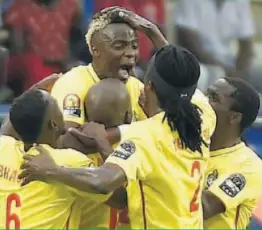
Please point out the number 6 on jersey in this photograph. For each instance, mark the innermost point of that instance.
(12, 220)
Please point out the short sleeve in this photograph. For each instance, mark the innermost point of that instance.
(233, 189)
(70, 98)
(186, 14)
(245, 20)
(14, 16)
(131, 155)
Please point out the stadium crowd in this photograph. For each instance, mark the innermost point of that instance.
(95, 147)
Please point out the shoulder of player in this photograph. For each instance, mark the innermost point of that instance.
(252, 163)
(137, 131)
(209, 115)
(70, 157)
(73, 76)
(202, 102)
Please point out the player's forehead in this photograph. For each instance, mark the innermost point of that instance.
(222, 88)
(119, 31)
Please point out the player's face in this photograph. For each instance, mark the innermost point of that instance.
(118, 50)
(150, 95)
(220, 98)
(57, 124)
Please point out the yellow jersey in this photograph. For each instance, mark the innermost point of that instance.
(37, 205)
(96, 214)
(234, 176)
(170, 179)
(71, 92)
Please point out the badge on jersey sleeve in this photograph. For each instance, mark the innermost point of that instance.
(125, 150)
(71, 105)
(233, 184)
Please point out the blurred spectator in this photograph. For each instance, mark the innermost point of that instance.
(207, 28)
(40, 35)
(5, 93)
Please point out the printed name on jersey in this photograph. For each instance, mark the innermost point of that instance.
(71, 105)
(211, 178)
(233, 184)
(125, 150)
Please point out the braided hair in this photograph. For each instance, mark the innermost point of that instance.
(180, 70)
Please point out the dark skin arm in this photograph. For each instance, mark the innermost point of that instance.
(119, 199)
(101, 180)
(212, 205)
(139, 23)
(89, 144)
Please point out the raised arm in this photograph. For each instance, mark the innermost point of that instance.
(139, 23)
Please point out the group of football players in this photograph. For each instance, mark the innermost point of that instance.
(97, 148)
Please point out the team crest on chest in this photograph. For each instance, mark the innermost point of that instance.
(71, 105)
(211, 178)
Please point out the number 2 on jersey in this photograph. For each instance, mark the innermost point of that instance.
(194, 206)
(13, 200)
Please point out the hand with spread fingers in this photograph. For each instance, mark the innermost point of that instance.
(47, 83)
(138, 23)
(38, 167)
(134, 20)
(94, 130)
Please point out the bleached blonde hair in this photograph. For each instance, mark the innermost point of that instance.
(99, 22)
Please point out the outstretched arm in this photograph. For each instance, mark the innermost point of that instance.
(101, 180)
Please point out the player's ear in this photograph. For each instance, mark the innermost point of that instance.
(95, 51)
(53, 125)
(236, 118)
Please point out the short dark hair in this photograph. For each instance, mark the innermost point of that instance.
(27, 114)
(180, 69)
(246, 101)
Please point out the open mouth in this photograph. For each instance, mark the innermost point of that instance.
(125, 71)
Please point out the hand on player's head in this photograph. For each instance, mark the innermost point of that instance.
(81, 142)
(37, 167)
(47, 83)
(137, 22)
(94, 130)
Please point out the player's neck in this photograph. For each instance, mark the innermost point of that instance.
(224, 142)
(98, 70)
(27, 146)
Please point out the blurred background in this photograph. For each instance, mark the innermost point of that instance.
(41, 37)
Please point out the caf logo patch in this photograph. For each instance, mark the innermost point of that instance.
(128, 146)
(71, 105)
(211, 178)
(125, 150)
(233, 184)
